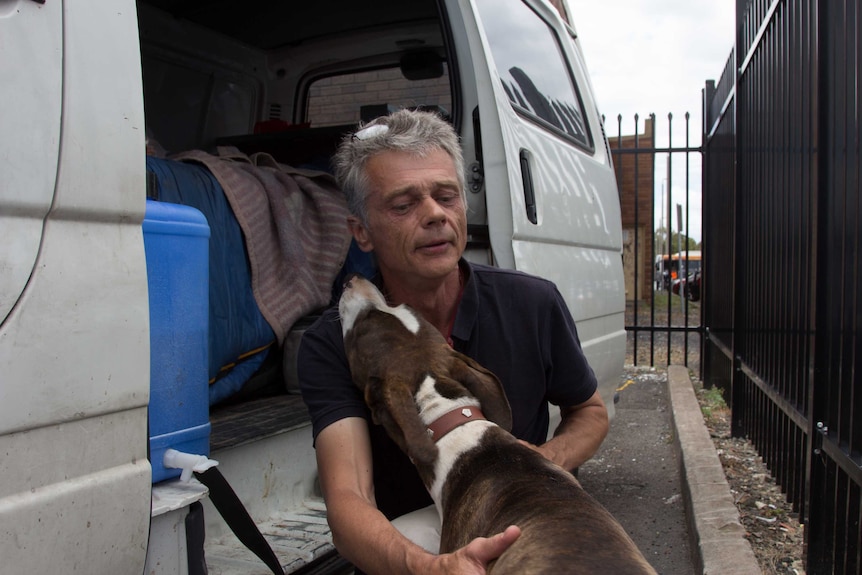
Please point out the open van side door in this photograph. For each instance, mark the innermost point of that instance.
(551, 195)
(75, 482)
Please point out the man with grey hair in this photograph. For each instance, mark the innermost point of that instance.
(404, 178)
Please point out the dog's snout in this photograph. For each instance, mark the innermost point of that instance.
(348, 281)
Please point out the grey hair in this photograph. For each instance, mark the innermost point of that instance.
(414, 132)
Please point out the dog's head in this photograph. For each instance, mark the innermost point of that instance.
(391, 351)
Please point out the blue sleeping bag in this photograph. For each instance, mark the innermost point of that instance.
(239, 336)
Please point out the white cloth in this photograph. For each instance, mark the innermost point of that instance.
(422, 527)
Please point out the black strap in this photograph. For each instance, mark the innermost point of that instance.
(237, 518)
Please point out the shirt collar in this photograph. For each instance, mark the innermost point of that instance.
(468, 309)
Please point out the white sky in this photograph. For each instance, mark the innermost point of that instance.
(654, 56)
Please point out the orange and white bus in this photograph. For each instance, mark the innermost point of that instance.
(667, 268)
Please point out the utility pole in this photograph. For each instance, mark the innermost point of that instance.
(682, 271)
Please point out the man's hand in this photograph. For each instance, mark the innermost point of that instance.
(473, 559)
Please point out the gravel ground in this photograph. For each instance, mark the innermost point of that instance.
(771, 526)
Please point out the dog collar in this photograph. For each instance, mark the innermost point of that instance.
(452, 419)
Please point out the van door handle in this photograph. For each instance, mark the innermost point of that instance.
(529, 191)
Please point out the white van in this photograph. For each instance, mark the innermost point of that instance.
(100, 98)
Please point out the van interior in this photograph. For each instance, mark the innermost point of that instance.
(215, 74)
(275, 82)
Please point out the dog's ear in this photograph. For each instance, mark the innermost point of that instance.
(394, 408)
(485, 386)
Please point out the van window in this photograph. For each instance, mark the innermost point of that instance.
(335, 100)
(534, 69)
(188, 108)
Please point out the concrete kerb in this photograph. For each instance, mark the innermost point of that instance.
(717, 534)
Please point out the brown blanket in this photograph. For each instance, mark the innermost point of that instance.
(294, 223)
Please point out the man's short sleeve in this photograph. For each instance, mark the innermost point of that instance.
(324, 375)
(519, 327)
(571, 380)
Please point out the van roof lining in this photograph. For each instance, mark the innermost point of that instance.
(269, 25)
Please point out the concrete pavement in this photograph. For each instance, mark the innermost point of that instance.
(659, 474)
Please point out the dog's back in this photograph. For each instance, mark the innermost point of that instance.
(563, 529)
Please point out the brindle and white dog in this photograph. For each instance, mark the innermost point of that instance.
(450, 415)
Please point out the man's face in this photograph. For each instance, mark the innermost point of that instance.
(417, 223)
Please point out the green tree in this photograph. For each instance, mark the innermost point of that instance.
(677, 242)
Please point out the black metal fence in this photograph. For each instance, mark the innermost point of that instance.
(783, 258)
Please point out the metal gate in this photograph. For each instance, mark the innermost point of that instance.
(783, 258)
(663, 275)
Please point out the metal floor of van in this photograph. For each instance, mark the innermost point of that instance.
(299, 536)
(242, 423)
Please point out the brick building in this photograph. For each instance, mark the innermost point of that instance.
(636, 180)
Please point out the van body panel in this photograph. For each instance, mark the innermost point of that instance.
(31, 110)
(590, 282)
(74, 350)
(477, 72)
(68, 500)
(88, 524)
(90, 277)
(87, 360)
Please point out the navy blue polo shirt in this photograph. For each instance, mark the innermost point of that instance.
(516, 325)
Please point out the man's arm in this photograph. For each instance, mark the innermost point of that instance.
(581, 431)
(361, 533)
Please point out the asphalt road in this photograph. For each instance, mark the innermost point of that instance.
(635, 474)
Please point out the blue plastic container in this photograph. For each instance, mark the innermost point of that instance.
(176, 240)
